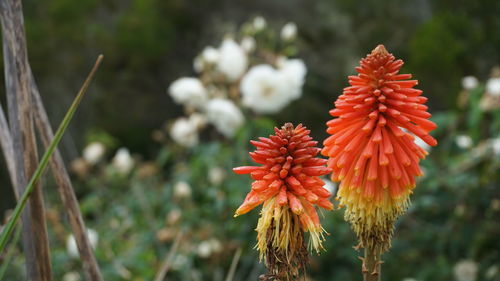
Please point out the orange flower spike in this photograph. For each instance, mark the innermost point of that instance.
(371, 149)
(287, 183)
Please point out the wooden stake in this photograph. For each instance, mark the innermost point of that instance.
(35, 238)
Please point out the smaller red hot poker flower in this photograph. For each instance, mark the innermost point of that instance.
(288, 185)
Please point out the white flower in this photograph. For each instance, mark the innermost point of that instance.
(72, 248)
(330, 186)
(409, 279)
(215, 245)
(463, 141)
(216, 175)
(491, 272)
(259, 23)
(210, 55)
(71, 276)
(465, 270)
(182, 190)
(188, 91)
(204, 249)
(208, 247)
(225, 116)
(418, 141)
(469, 82)
(493, 86)
(289, 31)
(495, 144)
(248, 44)
(184, 132)
(294, 71)
(265, 90)
(232, 61)
(94, 152)
(122, 161)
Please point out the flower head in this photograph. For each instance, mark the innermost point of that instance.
(225, 116)
(232, 60)
(288, 185)
(371, 148)
(469, 83)
(188, 91)
(122, 161)
(184, 132)
(294, 72)
(94, 152)
(264, 89)
(289, 31)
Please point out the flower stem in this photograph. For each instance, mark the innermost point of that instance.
(371, 265)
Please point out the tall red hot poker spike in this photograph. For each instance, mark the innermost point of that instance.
(371, 149)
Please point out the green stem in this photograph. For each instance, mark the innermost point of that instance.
(6, 233)
(10, 253)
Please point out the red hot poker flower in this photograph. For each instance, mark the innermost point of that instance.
(371, 148)
(288, 185)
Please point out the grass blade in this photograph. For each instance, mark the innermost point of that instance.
(10, 253)
(7, 231)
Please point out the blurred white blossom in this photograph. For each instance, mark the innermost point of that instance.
(204, 249)
(94, 152)
(184, 132)
(210, 55)
(182, 190)
(289, 31)
(264, 89)
(491, 272)
(248, 44)
(469, 82)
(409, 279)
(463, 141)
(188, 91)
(493, 86)
(72, 248)
(418, 141)
(215, 245)
(225, 116)
(259, 23)
(465, 270)
(208, 247)
(216, 175)
(233, 60)
(122, 161)
(294, 71)
(71, 276)
(495, 145)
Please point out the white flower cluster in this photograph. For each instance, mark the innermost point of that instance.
(465, 270)
(266, 89)
(490, 100)
(228, 80)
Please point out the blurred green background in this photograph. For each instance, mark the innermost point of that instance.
(148, 44)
